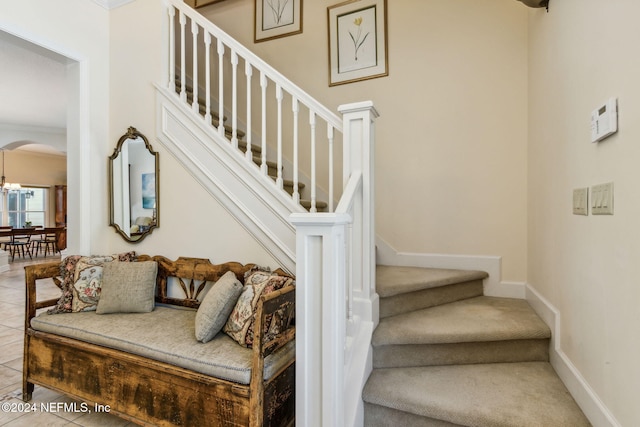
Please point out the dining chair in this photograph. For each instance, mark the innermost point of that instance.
(5, 235)
(48, 241)
(20, 242)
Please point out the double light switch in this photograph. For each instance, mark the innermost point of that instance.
(602, 199)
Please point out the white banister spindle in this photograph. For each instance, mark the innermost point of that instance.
(183, 58)
(248, 71)
(172, 49)
(220, 88)
(195, 106)
(331, 162)
(207, 75)
(234, 99)
(263, 86)
(279, 96)
(312, 123)
(296, 110)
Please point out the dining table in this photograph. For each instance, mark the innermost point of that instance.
(30, 241)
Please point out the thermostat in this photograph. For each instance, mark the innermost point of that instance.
(604, 120)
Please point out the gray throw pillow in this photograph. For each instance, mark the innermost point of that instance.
(128, 287)
(216, 306)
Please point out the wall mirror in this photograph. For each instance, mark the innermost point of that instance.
(134, 187)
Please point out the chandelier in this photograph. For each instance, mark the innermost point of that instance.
(5, 186)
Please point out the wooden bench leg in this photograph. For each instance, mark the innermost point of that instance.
(27, 391)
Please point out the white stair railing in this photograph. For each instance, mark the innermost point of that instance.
(201, 55)
(336, 303)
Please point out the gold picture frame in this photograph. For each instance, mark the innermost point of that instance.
(357, 41)
(277, 18)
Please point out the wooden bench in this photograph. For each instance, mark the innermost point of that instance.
(149, 392)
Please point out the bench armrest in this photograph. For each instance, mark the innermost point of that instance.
(282, 300)
(33, 273)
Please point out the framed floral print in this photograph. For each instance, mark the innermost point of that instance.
(277, 18)
(357, 41)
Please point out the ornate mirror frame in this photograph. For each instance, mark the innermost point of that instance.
(134, 187)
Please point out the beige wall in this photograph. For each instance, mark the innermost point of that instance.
(582, 53)
(451, 139)
(35, 169)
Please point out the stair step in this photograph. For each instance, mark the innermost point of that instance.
(320, 206)
(476, 330)
(489, 395)
(403, 289)
(256, 149)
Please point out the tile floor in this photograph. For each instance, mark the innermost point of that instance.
(12, 300)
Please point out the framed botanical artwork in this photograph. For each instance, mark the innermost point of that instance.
(277, 18)
(357, 41)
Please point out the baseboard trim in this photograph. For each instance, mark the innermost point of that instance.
(357, 373)
(4, 261)
(493, 285)
(588, 400)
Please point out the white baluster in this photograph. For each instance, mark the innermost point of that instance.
(279, 180)
(172, 49)
(220, 88)
(312, 122)
(248, 71)
(296, 110)
(234, 99)
(194, 102)
(263, 86)
(207, 75)
(331, 161)
(183, 60)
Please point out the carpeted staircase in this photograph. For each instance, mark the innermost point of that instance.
(445, 355)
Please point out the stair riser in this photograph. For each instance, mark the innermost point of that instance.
(397, 356)
(380, 416)
(418, 300)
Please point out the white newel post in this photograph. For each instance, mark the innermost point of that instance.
(358, 121)
(327, 285)
(320, 318)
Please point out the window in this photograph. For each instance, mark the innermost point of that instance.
(26, 207)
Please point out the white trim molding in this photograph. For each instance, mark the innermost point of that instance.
(584, 395)
(112, 4)
(493, 285)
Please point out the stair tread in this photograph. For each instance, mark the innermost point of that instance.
(320, 205)
(479, 319)
(496, 394)
(394, 280)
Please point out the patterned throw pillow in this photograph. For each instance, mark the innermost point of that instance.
(82, 281)
(258, 281)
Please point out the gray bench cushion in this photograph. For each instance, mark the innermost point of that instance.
(167, 335)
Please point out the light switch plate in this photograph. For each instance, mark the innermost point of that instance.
(581, 201)
(602, 199)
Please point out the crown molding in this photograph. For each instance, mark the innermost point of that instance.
(112, 4)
